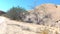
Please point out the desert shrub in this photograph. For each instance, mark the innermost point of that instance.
(45, 31)
(15, 13)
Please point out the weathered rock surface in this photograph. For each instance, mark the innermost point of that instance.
(52, 9)
(14, 27)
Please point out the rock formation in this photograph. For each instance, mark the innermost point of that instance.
(14, 27)
(46, 15)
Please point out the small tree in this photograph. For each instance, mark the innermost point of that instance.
(15, 13)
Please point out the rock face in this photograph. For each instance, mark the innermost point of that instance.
(3, 25)
(51, 9)
(14, 27)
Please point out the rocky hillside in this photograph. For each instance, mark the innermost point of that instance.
(52, 9)
(45, 13)
(8, 26)
(44, 19)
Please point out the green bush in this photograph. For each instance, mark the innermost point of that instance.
(15, 13)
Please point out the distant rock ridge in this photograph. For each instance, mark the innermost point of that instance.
(2, 12)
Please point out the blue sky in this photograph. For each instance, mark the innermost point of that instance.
(27, 4)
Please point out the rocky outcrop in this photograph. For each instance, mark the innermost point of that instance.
(50, 9)
(14, 27)
(45, 13)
